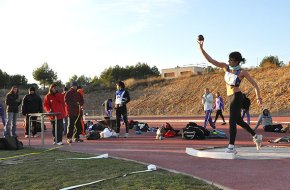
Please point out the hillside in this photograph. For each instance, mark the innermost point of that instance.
(182, 96)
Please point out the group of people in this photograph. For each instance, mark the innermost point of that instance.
(218, 106)
(66, 106)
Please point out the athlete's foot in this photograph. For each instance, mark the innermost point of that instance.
(231, 150)
(258, 141)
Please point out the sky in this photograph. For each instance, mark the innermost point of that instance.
(84, 37)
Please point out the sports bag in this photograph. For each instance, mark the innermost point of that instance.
(192, 132)
(10, 143)
(93, 135)
(204, 130)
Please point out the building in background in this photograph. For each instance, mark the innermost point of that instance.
(182, 71)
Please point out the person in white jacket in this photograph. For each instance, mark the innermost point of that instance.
(207, 101)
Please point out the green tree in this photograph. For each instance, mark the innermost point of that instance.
(208, 69)
(139, 71)
(106, 77)
(270, 61)
(95, 81)
(81, 80)
(4, 79)
(19, 80)
(44, 75)
(73, 78)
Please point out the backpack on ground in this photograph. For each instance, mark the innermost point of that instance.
(143, 127)
(205, 131)
(90, 126)
(10, 143)
(194, 131)
(132, 124)
(170, 133)
(168, 128)
(191, 133)
(2, 143)
(93, 135)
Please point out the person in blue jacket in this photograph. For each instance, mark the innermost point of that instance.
(219, 107)
(122, 98)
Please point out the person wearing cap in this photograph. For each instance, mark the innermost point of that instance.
(31, 103)
(267, 123)
(73, 102)
(122, 98)
(54, 102)
(12, 102)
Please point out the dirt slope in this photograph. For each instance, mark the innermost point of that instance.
(182, 96)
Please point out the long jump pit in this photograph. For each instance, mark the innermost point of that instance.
(246, 153)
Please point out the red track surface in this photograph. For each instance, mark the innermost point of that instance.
(170, 154)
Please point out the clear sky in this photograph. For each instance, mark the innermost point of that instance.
(87, 36)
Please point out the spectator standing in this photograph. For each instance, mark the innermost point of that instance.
(31, 103)
(219, 107)
(12, 102)
(73, 102)
(207, 101)
(54, 102)
(82, 93)
(122, 98)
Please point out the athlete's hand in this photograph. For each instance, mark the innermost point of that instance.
(200, 44)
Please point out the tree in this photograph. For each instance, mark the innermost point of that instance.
(4, 79)
(44, 75)
(140, 71)
(208, 69)
(19, 80)
(270, 61)
(81, 80)
(95, 81)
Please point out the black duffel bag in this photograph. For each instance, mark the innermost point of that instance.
(10, 143)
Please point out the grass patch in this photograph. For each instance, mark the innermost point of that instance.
(44, 171)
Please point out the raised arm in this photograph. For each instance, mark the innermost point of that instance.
(208, 57)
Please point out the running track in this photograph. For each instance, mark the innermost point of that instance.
(170, 154)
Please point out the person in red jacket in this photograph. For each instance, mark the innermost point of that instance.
(54, 102)
(74, 102)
